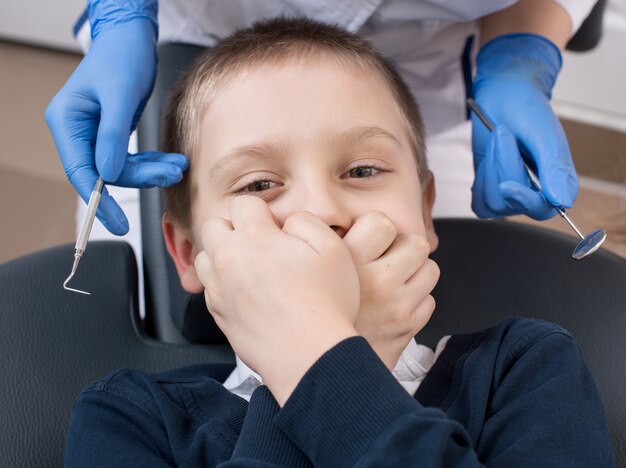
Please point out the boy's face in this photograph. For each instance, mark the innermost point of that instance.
(309, 136)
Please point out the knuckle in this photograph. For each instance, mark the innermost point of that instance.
(434, 270)
(51, 112)
(293, 224)
(383, 222)
(73, 167)
(56, 110)
(419, 245)
(430, 302)
(426, 306)
(423, 313)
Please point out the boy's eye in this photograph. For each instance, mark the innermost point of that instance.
(365, 171)
(362, 171)
(259, 185)
(358, 172)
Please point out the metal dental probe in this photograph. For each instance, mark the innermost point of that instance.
(588, 244)
(85, 230)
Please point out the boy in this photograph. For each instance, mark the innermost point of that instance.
(305, 220)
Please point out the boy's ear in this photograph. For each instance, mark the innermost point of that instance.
(428, 200)
(178, 242)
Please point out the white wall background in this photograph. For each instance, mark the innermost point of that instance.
(592, 85)
(42, 22)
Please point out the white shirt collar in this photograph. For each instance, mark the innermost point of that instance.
(413, 365)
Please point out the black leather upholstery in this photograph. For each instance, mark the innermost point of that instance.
(493, 269)
(55, 342)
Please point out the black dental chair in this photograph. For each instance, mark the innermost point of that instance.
(53, 342)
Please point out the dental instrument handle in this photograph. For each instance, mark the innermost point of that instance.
(85, 230)
(90, 216)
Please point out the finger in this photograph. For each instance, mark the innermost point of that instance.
(422, 313)
(311, 229)
(158, 156)
(405, 257)
(424, 280)
(202, 265)
(548, 147)
(479, 204)
(112, 139)
(109, 212)
(524, 200)
(71, 123)
(214, 232)
(111, 215)
(146, 172)
(503, 163)
(510, 189)
(251, 213)
(370, 236)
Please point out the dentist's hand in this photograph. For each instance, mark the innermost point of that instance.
(513, 86)
(93, 115)
(396, 278)
(283, 297)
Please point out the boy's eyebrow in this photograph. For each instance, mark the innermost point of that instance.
(360, 133)
(253, 150)
(260, 149)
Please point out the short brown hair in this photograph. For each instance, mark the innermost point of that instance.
(267, 41)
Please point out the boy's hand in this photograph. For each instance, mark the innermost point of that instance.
(282, 297)
(396, 278)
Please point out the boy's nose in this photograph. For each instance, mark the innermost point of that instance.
(332, 212)
(328, 205)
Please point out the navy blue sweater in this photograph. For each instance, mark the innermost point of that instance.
(515, 395)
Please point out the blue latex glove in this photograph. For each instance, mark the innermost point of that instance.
(93, 115)
(513, 86)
